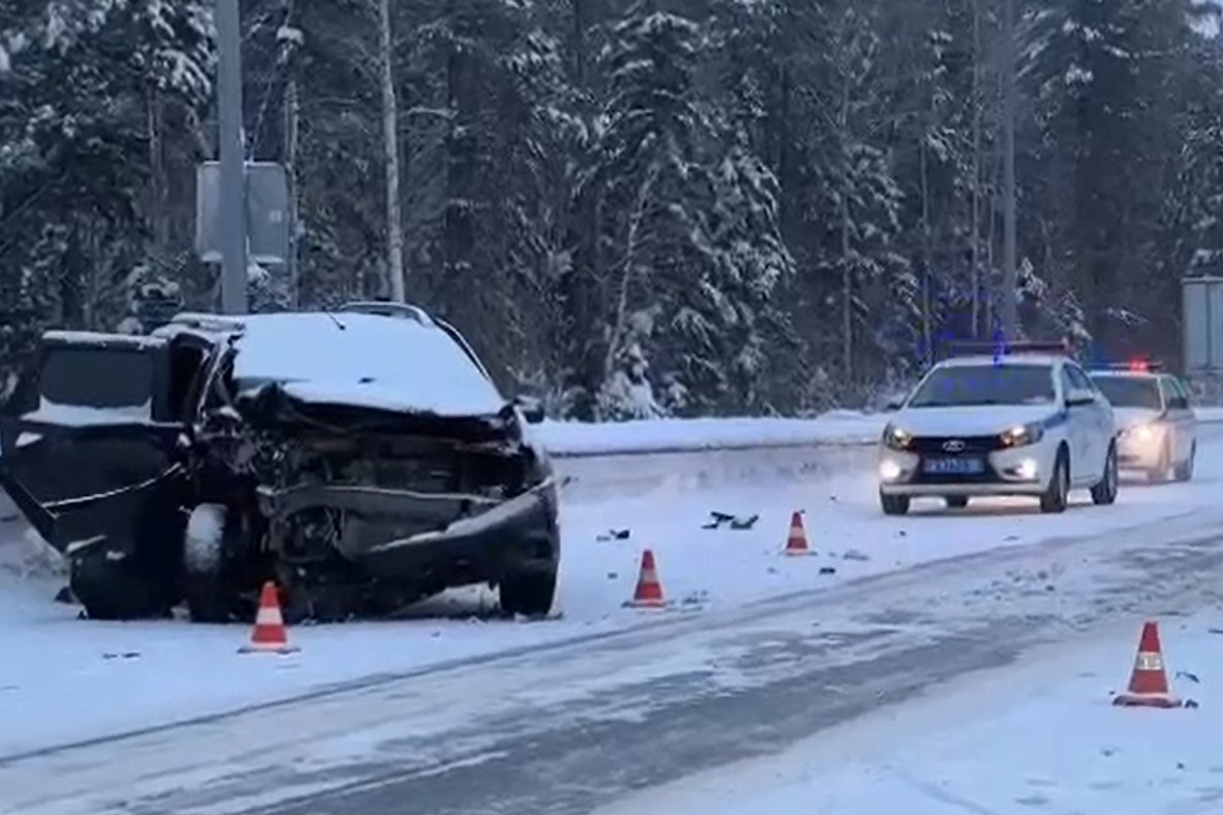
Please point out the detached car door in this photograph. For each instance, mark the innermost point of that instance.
(88, 444)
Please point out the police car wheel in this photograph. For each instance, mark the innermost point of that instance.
(1184, 472)
(1057, 494)
(1105, 492)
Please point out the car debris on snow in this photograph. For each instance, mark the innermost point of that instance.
(736, 522)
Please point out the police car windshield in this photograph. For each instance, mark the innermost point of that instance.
(1000, 384)
(1129, 391)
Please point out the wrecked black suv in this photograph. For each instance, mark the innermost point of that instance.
(363, 459)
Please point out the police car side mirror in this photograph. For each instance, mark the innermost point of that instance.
(532, 409)
(893, 404)
(1078, 398)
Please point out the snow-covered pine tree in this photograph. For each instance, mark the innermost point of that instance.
(1100, 71)
(653, 182)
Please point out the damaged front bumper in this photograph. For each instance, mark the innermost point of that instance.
(482, 538)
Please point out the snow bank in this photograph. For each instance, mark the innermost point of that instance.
(835, 428)
(24, 553)
(685, 435)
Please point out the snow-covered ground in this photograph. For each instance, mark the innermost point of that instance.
(53, 667)
(1043, 738)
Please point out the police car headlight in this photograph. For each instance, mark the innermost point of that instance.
(1142, 432)
(895, 438)
(1023, 435)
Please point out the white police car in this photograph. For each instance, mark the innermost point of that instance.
(1028, 421)
(1158, 428)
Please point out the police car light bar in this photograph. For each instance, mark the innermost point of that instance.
(1138, 366)
(974, 348)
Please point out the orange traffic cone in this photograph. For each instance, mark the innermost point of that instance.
(1149, 680)
(649, 590)
(796, 543)
(270, 635)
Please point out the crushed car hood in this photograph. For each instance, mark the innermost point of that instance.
(381, 397)
(296, 403)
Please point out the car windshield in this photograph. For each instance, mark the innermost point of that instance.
(1130, 391)
(989, 384)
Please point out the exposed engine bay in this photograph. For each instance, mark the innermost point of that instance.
(331, 486)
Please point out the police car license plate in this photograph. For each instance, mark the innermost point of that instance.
(954, 466)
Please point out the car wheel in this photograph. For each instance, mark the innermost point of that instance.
(894, 504)
(1159, 473)
(111, 588)
(529, 593)
(1057, 494)
(956, 501)
(1105, 492)
(1184, 472)
(208, 595)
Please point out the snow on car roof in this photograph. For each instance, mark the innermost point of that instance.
(372, 361)
(100, 339)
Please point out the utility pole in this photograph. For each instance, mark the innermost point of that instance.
(1010, 276)
(232, 214)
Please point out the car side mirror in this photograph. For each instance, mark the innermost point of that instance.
(532, 409)
(1079, 397)
(894, 403)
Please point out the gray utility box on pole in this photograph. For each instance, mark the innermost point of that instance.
(1202, 314)
(267, 212)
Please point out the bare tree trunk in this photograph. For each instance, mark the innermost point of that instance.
(159, 216)
(927, 332)
(629, 264)
(975, 230)
(847, 276)
(991, 238)
(390, 134)
(292, 114)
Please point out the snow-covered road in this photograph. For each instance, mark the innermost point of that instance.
(1037, 738)
(606, 700)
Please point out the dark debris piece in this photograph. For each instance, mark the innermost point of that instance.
(721, 519)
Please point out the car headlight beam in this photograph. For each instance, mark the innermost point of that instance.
(895, 438)
(1022, 435)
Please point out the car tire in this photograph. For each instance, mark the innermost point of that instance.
(1105, 492)
(894, 504)
(1056, 495)
(1184, 472)
(208, 595)
(112, 589)
(1159, 473)
(956, 501)
(529, 593)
